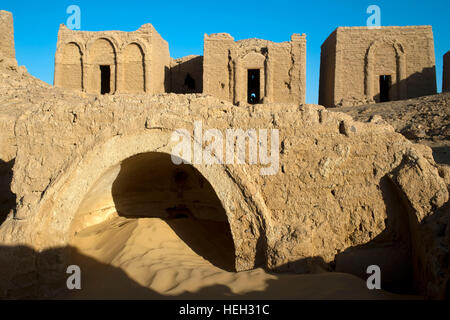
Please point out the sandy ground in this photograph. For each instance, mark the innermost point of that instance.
(146, 258)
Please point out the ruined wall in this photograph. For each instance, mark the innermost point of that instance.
(7, 140)
(7, 155)
(186, 75)
(216, 66)
(331, 190)
(446, 73)
(339, 185)
(406, 54)
(136, 62)
(282, 68)
(7, 50)
(160, 63)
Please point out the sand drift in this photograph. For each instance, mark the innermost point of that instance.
(147, 258)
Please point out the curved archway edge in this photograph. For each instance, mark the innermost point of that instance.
(400, 62)
(247, 217)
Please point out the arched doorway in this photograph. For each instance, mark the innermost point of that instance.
(151, 186)
(385, 71)
(102, 66)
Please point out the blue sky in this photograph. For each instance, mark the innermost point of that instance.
(184, 23)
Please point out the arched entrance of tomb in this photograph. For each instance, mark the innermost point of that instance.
(252, 83)
(385, 71)
(82, 196)
(101, 67)
(149, 186)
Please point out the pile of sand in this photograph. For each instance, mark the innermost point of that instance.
(145, 258)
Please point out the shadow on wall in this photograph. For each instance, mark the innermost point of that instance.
(151, 185)
(390, 250)
(412, 256)
(436, 247)
(416, 85)
(167, 79)
(7, 197)
(441, 155)
(28, 274)
(187, 76)
(20, 280)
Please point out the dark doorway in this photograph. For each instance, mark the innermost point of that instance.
(189, 82)
(385, 85)
(253, 86)
(105, 79)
